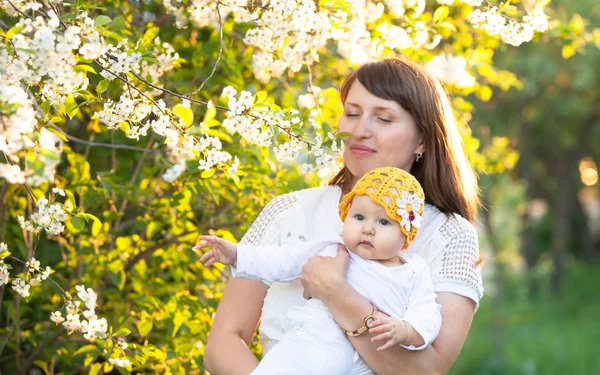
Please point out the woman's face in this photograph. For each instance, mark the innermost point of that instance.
(383, 133)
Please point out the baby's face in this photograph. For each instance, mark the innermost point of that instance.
(369, 232)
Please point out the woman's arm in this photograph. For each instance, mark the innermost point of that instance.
(457, 315)
(237, 316)
(240, 308)
(323, 278)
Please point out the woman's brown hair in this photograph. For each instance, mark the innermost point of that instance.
(448, 180)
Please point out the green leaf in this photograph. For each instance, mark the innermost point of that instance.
(441, 13)
(84, 68)
(71, 106)
(208, 173)
(144, 327)
(95, 369)
(568, 51)
(210, 114)
(86, 349)
(96, 226)
(117, 273)
(68, 17)
(13, 30)
(485, 93)
(260, 97)
(102, 86)
(448, 25)
(102, 20)
(43, 365)
(343, 135)
(58, 133)
(122, 332)
(150, 34)
(71, 198)
(185, 113)
(78, 223)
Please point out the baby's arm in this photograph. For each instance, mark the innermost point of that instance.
(266, 263)
(274, 263)
(395, 331)
(421, 323)
(221, 251)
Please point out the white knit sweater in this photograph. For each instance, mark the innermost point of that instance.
(447, 242)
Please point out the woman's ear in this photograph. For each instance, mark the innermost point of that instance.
(420, 148)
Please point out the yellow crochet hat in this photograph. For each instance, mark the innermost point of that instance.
(398, 192)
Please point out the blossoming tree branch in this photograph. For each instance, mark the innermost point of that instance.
(127, 128)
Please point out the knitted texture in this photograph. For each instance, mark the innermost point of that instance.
(398, 192)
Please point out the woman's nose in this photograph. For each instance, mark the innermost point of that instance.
(362, 127)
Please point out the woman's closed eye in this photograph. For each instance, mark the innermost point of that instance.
(384, 222)
(351, 114)
(384, 120)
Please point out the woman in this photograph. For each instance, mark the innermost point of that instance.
(399, 116)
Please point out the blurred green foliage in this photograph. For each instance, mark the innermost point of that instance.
(552, 334)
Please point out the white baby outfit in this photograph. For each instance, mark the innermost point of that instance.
(314, 343)
(448, 243)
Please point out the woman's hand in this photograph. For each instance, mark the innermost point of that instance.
(322, 275)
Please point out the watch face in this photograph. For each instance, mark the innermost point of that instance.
(369, 321)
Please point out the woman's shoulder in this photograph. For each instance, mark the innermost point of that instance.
(309, 197)
(448, 226)
(303, 203)
(458, 227)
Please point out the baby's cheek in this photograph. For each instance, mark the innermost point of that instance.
(347, 234)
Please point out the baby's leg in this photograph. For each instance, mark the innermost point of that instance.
(316, 347)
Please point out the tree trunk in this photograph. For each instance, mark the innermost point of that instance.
(581, 232)
(526, 174)
(561, 218)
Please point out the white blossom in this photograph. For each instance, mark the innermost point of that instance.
(57, 317)
(47, 217)
(175, 171)
(58, 191)
(21, 287)
(234, 167)
(72, 323)
(119, 362)
(87, 296)
(451, 69)
(4, 273)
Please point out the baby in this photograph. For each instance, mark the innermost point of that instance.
(381, 217)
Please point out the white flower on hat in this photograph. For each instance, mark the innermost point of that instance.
(408, 207)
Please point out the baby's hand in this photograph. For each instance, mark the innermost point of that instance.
(221, 251)
(392, 330)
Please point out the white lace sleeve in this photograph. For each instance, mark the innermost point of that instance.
(456, 268)
(265, 229)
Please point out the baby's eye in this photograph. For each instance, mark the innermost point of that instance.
(359, 217)
(384, 222)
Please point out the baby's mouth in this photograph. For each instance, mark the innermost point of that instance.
(366, 243)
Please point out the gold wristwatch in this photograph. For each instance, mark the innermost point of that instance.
(368, 320)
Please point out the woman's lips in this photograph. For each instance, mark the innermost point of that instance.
(361, 150)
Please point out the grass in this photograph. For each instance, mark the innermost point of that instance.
(551, 334)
